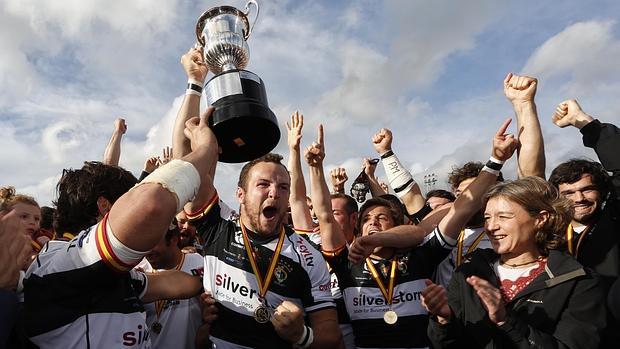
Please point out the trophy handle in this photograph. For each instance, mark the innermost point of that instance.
(247, 13)
(200, 25)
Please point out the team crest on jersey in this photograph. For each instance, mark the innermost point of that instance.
(238, 239)
(401, 264)
(280, 274)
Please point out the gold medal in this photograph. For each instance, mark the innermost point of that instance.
(156, 327)
(262, 314)
(390, 317)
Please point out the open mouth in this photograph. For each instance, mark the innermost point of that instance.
(498, 237)
(374, 231)
(269, 212)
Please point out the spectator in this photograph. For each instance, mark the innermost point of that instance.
(26, 209)
(592, 235)
(524, 292)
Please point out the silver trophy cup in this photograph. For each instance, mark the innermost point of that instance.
(244, 125)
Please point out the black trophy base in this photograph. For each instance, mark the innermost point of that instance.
(244, 125)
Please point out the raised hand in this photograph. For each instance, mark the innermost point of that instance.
(15, 251)
(382, 141)
(294, 130)
(490, 297)
(520, 88)
(504, 145)
(166, 156)
(151, 164)
(315, 153)
(288, 321)
(193, 64)
(568, 113)
(435, 301)
(369, 166)
(120, 126)
(339, 178)
(199, 133)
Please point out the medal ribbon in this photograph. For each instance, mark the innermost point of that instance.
(159, 305)
(570, 235)
(459, 249)
(263, 284)
(387, 293)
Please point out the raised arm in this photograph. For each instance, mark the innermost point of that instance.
(520, 91)
(190, 107)
(604, 138)
(112, 153)
(470, 200)
(139, 218)
(332, 237)
(370, 166)
(398, 176)
(339, 178)
(300, 212)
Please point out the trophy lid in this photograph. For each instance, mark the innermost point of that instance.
(220, 10)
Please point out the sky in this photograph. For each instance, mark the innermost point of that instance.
(431, 71)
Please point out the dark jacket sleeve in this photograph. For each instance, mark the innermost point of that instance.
(579, 326)
(451, 334)
(605, 140)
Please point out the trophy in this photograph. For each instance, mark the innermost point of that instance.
(361, 184)
(244, 125)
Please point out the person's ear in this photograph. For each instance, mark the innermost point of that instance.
(103, 205)
(240, 194)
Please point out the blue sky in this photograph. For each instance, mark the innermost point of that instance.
(431, 71)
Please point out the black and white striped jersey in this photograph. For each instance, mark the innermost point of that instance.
(300, 276)
(75, 297)
(366, 304)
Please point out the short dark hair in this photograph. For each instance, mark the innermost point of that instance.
(572, 170)
(440, 193)
(78, 190)
(47, 217)
(395, 212)
(271, 157)
(469, 170)
(173, 230)
(350, 203)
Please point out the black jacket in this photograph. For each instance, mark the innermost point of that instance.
(564, 307)
(600, 249)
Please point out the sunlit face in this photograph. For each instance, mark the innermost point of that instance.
(510, 228)
(584, 196)
(29, 217)
(434, 202)
(187, 231)
(346, 221)
(376, 219)
(265, 201)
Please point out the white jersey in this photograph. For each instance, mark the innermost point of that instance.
(468, 241)
(300, 276)
(173, 323)
(82, 294)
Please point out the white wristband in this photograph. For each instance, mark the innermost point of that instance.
(496, 160)
(490, 170)
(189, 91)
(196, 82)
(399, 178)
(179, 177)
(306, 338)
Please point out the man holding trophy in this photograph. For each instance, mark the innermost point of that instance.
(271, 288)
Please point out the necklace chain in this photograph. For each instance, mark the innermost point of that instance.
(516, 265)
